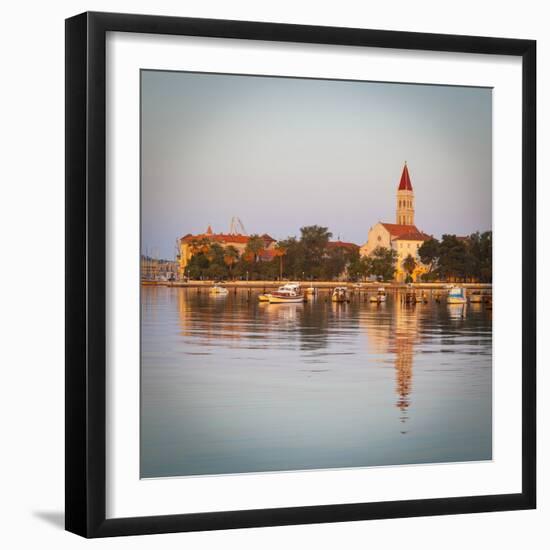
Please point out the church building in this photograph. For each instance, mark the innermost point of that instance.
(402, 236)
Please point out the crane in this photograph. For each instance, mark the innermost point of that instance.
(236, 227)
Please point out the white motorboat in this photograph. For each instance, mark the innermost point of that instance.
(457, 295)
(219, 290)
(291, 293)
(381, 295)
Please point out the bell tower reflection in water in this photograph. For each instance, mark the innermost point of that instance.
(393, 330)
(402, 345)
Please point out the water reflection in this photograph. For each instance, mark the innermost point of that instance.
(395, 333)
(457, 312)
(406, 333)
(230, 384)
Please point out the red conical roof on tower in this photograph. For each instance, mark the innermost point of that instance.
(405, 183)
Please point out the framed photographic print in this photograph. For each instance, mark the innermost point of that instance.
(290, 288)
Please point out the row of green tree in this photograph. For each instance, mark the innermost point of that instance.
(459, 259)
(311, 257)
(308, 257)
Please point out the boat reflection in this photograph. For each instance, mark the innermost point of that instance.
(457, 312)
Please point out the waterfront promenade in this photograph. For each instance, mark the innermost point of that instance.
(316, 284)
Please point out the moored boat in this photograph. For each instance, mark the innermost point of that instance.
(340, 294)
(291, 293)
(217, 289)
(457, 295)
(264, 297)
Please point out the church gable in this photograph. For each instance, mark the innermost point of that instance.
(378, 236)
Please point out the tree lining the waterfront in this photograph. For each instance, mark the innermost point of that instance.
(459, 259)
(312, 256)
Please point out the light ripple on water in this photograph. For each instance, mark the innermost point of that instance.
(227, 384)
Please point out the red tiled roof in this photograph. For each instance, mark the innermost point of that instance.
(225, 238)
(398, 229)
(341, 244)
(413, 236)
(405, 183)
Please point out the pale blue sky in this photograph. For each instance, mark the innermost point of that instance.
(281, 153)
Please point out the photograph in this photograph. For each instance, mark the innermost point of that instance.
(316, 274)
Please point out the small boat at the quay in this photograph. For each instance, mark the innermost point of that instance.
(340, 294)
(264, 297)
(379, 297)
(291, 293)
(457, 295)
(219, 290)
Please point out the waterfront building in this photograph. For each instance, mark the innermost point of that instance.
(155, 269)
(190, 245)
(403, 236)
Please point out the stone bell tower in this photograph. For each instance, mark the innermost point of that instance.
(405, 199)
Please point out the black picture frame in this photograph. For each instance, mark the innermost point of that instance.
(86, 274)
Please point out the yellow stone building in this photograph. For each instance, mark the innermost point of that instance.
(403, 236)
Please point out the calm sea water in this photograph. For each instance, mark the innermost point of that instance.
(230, 385)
